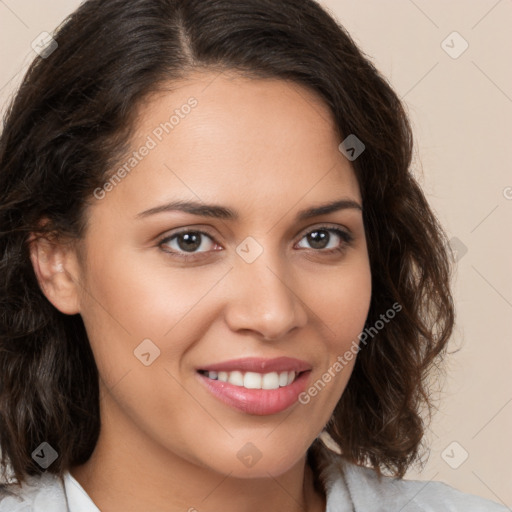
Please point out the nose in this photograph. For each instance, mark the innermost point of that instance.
(264, 298)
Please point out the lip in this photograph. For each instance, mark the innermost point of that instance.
(259, 365)
(259, 402)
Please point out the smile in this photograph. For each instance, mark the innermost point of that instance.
(253, 380)
(257, 386)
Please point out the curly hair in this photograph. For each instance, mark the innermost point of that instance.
(67, 126)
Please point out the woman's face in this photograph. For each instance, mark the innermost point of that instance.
(266, 295)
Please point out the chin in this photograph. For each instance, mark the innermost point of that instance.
(256, 460)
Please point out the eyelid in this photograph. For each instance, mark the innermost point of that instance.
(344, 233)
(203, 231)
(170, 236)
(326, 226)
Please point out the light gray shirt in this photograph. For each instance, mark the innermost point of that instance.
(348, 488)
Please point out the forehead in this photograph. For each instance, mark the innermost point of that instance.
(225, 138)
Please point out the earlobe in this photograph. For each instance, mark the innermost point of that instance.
(55, 266)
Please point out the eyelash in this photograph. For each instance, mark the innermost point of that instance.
(346, 238)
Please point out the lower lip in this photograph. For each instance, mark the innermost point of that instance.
(257, 401)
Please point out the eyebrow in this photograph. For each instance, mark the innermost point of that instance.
(222, 212)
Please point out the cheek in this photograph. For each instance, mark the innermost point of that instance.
(342, 302)
(127, 302)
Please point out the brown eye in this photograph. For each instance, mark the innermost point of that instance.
(322, 239)
(188, 242)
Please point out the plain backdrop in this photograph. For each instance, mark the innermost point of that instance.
(450, 63)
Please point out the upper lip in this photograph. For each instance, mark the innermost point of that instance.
(259, 365)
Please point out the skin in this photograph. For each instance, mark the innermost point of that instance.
(268, 149)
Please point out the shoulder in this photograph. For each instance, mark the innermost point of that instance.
(40, 493)
(366, 491)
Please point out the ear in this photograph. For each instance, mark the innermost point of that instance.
(56, 267)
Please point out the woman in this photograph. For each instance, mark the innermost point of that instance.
(215, 265)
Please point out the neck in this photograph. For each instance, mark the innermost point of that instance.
(128, 472)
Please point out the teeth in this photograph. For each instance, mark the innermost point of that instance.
(270, 381)
(253, 380)
(236, 378)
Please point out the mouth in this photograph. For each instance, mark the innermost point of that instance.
(257, 386)
(253, 380)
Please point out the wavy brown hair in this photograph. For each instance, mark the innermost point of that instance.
(66, 128)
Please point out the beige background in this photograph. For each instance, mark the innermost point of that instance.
(461, 113)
